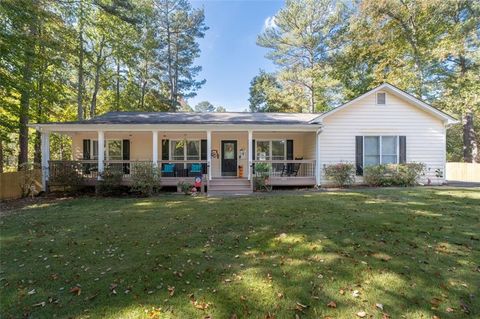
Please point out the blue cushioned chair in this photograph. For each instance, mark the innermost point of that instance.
(196, 169)
(168, 170)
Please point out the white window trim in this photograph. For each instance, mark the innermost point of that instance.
(105, 148)
(270, 148)
(184, 149)
(376, 98)
(380, 138)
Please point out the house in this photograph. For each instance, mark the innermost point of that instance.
(384, 125)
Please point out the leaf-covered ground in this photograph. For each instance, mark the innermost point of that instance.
(411, 252)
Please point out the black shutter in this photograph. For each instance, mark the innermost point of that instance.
(289, 149)
(165, 150)
(359, 155)
(203, 155)
(402, 140)
(203, 150)
(86, 156)
(126, 156)
(86, 149)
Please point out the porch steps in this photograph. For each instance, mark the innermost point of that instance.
(229, 186)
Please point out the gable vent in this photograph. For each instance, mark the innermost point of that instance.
(381, 98)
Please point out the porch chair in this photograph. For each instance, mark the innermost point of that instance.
(291, 169)
(195, 170)
(168, 170)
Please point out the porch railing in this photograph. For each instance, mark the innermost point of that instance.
(61, 171)
(284, 168)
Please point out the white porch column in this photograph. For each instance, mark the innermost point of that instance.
(318, 170)
(101, 152)
(250, 155)
(45, 147)
(209, 155)
(155, 148)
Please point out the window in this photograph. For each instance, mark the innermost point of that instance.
(182, 150)
(381, 98)
(380, 150)
(263, 150)
(271, 150)
(278, 150)
(193, 150)
(113, 150)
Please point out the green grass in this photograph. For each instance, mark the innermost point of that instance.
(414, 250)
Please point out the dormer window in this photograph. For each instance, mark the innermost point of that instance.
(381, 98)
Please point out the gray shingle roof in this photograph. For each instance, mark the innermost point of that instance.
(200, 118)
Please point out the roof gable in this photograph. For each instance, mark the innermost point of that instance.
(387, 87)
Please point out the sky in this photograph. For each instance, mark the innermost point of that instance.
(230, 57)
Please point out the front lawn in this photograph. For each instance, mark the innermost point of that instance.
(414, 252)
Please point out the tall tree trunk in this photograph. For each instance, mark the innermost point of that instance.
(144, 87)
(175, 80)
(1, 155)
(117, 86)
(469, 141)
(93, 103)
(25, 92)
(169, 58)
(37, 156)
(80, 64)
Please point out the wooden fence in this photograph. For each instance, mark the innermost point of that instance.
(465, 172)
(11, 183)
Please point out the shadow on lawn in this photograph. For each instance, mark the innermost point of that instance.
(282, 255)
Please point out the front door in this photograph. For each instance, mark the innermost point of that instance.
(229, 158)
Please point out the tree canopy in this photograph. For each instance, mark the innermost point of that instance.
(328, 52)
(66, 60)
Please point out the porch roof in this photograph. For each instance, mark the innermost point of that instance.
(200, 118)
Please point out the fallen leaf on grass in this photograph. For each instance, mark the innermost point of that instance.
(435, 302)
(201, 305)
(40, 304)
(379, 306)
(92, 296)
(449, 309)
(112, 288)
(31, 292)
(355, 293)
(342, 292)
(171, 291)
(332, 304)
(361, 314)
(76, 290)
(300, 307)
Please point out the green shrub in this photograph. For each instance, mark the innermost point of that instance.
(262, 169)
(67, 175)
(111, 180)
(341, 174)
(28, 178)
(393, 174)
(377, 175)
(145, 178)
(186, 187)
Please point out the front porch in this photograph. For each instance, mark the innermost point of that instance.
(288, 158)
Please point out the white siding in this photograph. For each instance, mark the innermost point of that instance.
(425, 134)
